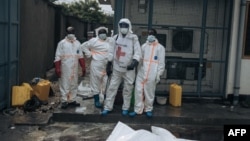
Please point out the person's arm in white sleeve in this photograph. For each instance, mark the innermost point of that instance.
(58, 52)
(57, 61)
(111, 48)
(85, 47)
(161, 65)
(137, 49)
(142, 54)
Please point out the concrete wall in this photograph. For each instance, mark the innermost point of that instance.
(36, 39)
(245, 77)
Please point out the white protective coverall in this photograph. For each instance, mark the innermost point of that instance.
(126, 49)
(151, 67)
(68, 52)
(100, 51)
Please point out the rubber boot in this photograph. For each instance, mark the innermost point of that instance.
(132, 114)
(104, 112)
(97, 101)
(124, 112)
(149, 114)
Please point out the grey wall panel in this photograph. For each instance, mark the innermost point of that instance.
(9, 45)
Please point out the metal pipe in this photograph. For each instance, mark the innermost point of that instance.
(227, 46)
(9, 56)
(237, 74)
(150, 13)
(203, 31)
(119, 4)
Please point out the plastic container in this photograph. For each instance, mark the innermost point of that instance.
(41, 90)
(20, 94)
(175, 95)
(161, 100)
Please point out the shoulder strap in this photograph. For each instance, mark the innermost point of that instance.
(117, 36)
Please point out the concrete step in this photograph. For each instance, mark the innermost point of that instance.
(189, 113)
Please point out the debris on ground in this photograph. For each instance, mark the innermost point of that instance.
(50, 102)
(37, 106)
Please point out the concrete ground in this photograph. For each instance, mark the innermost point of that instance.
(196, 119)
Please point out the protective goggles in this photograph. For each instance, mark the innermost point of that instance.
(123, 25)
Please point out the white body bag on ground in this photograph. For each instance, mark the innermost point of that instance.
(122, 132)
(84, 90)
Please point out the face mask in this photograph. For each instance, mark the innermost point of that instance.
(151, 38)
(71, 36)
(124, 30)
(102, 36)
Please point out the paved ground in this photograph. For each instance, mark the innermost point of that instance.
(197, 119)
(57, 132)
(73, 131)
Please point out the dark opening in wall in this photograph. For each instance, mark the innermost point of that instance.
(246, 47)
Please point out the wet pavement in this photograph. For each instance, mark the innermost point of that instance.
(191, 112)
(81, 131)
(197, 119)
(201, 119)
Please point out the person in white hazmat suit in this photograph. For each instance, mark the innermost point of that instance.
(67, 56)
(127, 53)
(99, 48)
(150, 69)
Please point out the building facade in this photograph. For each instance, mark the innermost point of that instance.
(207, 50)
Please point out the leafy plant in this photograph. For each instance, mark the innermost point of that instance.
(86, 11)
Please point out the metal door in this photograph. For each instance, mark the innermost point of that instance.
(9, 49)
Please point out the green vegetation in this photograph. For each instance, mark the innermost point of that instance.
(86, 11)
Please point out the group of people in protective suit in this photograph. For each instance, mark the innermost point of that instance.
(117, 57)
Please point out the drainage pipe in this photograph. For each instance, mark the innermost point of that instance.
(119, 13)
(203, 32)
(237, 74)
(150, 13)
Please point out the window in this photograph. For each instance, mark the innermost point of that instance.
(246, 47)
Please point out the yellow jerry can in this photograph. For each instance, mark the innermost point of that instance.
(175, 95)
(41, 89)
(20, 94)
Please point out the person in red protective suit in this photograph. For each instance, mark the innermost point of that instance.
(67, 56)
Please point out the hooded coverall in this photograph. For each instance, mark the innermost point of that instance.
(125, 50)
(151, 66)
(68, 52)
(100, 51)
